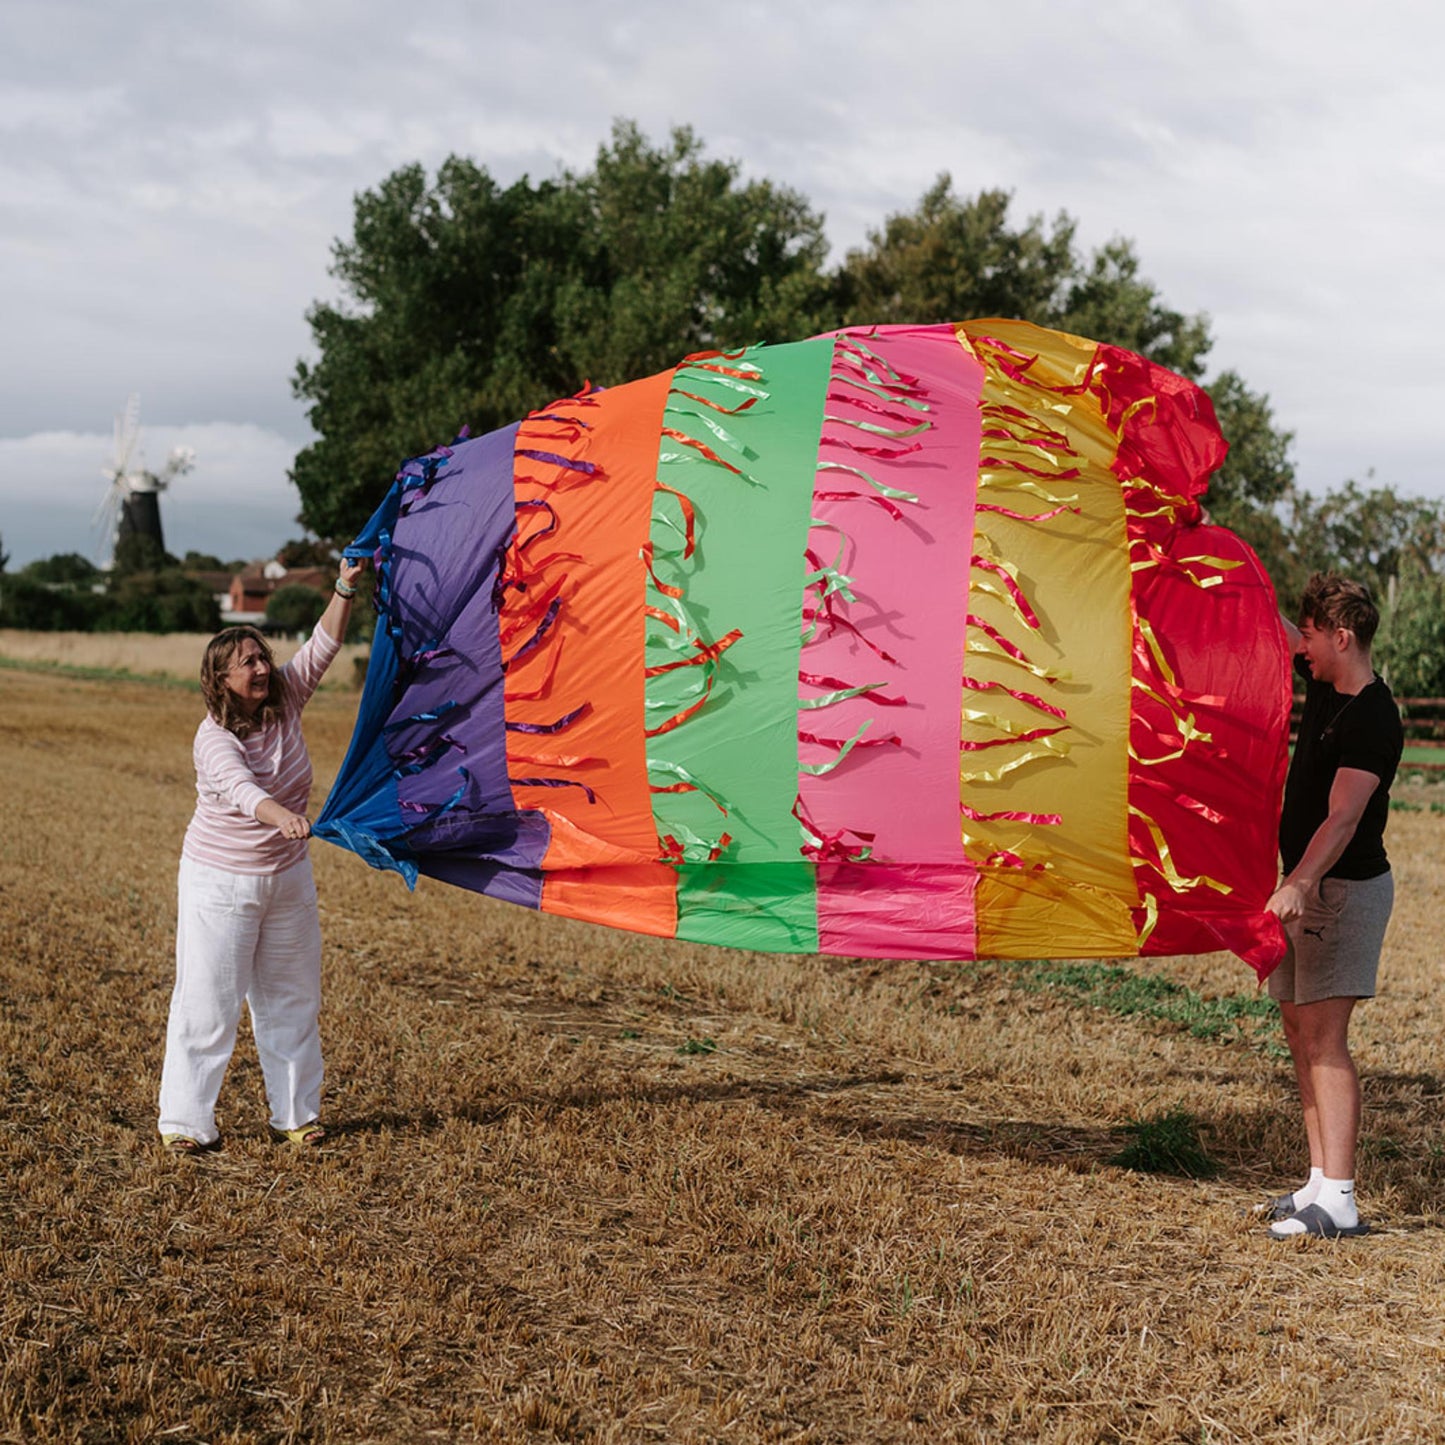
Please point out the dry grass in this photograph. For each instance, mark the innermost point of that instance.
(175, 656)
(880, 1209)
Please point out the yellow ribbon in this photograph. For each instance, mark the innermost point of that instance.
(1174, 502)
(996, 589)
(985, 648)
(1146, 631)
(1042, 865)
(998, 723)
(1172, 875)
(1040, 749)
(1031, 455)
(1134, 408)
(1225, 564)
(992, 478)
(1154, 762)
(1203, 583)
(1151, 918)
(1184, 724)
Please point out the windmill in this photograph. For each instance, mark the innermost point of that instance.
(131, 504)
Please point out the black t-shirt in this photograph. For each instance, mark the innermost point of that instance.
(1341, 730)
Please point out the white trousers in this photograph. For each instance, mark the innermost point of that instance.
(246, 937)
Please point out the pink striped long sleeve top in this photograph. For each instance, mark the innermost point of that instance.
(235, 775)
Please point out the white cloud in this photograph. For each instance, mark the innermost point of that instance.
(171, 190)
(237, 503)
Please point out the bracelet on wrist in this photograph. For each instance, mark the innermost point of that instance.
(342, 590)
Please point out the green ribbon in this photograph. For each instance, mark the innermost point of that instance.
(818, 770)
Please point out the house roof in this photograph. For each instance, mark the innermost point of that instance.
(254, 579)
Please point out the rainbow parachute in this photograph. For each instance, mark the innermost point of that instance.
(896, 642)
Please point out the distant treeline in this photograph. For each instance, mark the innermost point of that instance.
(147, 590)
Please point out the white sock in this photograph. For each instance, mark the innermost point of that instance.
(1337, 1199)
(1309, 1191)
(1305, 1194)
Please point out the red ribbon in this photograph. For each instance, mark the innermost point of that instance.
(707, 451)
(706, 652)
(974, 685)
(657, 582)
(716, 405)
(1039, 820)
(689, 517)
(894, 512)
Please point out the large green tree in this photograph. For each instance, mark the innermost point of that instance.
(1370, 533)
(1410, 649)
(955, 257)
(466, 302)
(1395, 545)
(958, 257)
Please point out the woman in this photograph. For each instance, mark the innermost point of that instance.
(247, 926)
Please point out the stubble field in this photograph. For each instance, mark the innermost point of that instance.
(585, 1186)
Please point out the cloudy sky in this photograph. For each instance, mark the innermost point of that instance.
(172, 176)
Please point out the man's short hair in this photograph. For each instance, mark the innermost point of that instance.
(1331, 601)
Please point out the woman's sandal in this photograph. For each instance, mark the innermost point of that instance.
(308, 1136)
(184, 1144)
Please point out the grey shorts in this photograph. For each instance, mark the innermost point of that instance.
(1334, 947)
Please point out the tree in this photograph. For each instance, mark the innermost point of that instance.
(161, 601)
(953, 259)
(1253, 492)
(63, 569)
(1108, 300)
(203, 562)
(295, 608)
(140, 552)
(306, 552)
(1395, 545)
(465, 302)
(1410, 649)
(34, 606)
(1371, 534)
(53, 594)
(468, 302)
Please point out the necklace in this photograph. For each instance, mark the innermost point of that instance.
(1329, 727)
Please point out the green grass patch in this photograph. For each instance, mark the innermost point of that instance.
(1408, 805)
(1416, 753)
(1166, 1143)
(1231, 1018)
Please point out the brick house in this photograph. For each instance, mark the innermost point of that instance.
(253, 586)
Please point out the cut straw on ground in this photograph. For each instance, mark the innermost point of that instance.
(589, 1186)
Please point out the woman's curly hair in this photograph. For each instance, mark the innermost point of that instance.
(216, 663)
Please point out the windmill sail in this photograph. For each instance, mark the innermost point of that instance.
(131, 507)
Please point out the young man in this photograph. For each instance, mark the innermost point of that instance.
(1337, 890)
